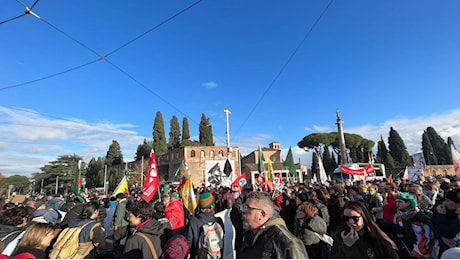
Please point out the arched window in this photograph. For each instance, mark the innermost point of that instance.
(211, 154)
(221, 153)
(192, 153)
(177, 155)
(433, 173)
(202, 154)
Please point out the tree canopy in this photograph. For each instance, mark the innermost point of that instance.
(174, 133)
(159, 138)
(206, 137)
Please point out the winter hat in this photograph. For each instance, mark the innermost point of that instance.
(177, 247)
(453, 196)
(176, 195)
(206, 200)
(406, 197)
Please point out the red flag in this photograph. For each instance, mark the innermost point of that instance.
(151, 182)
(240, 181)
(406, 174)
(390, 179)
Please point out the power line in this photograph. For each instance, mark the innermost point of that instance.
(154, 28)
(149, 90)
(50, 76)
(28, 11)
(284, 66)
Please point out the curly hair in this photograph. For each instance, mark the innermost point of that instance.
(14, 216)
(142, 209)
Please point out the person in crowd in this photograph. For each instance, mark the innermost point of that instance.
(236, 217)
(312, 228)
(46, 213)
(74, 212)
(160, 216)
(445, 221)
(267, 235)
(120, 222)
(12, 223)
(319, 204)
(423, 202)
(177, 248)
(361, 237)
(291, 203)
(92, 236)
(174, 212)
(110, 210)
(454, 183)
(36, 239)
(417, 232)
(336, 203)
(145, 242)
(374, 203)
(354, 193)
(389, 204)
(206, 215)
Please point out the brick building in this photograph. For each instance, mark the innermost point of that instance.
(199, 159)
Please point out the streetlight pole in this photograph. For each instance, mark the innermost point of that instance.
(57, 183)
(142, 172)
(105, 178)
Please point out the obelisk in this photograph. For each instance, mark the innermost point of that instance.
(343, 149)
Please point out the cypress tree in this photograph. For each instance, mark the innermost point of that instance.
(206, 137)
(440, 148)
(314, 166)
(428, 152)
(159, 139)
(143, 150)
(174, 133)
(398, 149)
(334, 163)
(383, 156)
(114, 161)
(185, 129)
(327, 161)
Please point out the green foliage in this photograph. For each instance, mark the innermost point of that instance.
(440, 147)
(159, 138)
(206, 137)
(185, 129)
(143, 150)
(114, 155)
(65, 167)
(95, 173)
(20, 183)
(398, 150)
(174, 133)
(355, 144)
(428, 152)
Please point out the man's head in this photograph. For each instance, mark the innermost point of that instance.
(258, 209)
(120, 196)
(415, 189)
(454, 184)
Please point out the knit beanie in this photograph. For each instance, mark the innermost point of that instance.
(406, 197)
(206, 200)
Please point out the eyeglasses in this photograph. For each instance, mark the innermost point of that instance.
(347, 218)
(245, 207)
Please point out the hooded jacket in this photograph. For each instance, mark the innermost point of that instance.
(137, 247)
(272, 240)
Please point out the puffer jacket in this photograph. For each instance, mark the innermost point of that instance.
(272, 240)
(137, 247)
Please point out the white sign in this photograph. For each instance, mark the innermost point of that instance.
(214, 173)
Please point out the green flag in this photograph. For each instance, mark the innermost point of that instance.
(290, 162)
(261, 160)
(77, 183)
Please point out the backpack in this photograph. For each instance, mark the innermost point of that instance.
(211, 240)
(67, 244)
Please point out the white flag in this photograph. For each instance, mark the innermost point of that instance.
(322, 171)
(455, 160)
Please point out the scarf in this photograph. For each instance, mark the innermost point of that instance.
(408, 213)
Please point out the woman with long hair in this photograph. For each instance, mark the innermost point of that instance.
(312, 229)
(36, 239)
(360, 236)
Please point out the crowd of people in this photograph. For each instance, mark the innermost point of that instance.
(337, 219)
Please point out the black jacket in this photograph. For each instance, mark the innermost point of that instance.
(272, 240)
(137, 247)
(39, 254)
(74, 213)
(8, 234)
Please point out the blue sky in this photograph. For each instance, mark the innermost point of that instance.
(381, 63)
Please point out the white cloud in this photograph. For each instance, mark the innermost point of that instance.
(30, 141)
(210, 84)
(317, 128)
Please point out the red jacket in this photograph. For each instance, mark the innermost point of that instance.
(175, 214)
(390, 209)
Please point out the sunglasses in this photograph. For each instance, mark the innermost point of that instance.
(347, 218)
(245, 207)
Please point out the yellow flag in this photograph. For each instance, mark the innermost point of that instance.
(188, 196)
(270, 171)
(122, 187)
